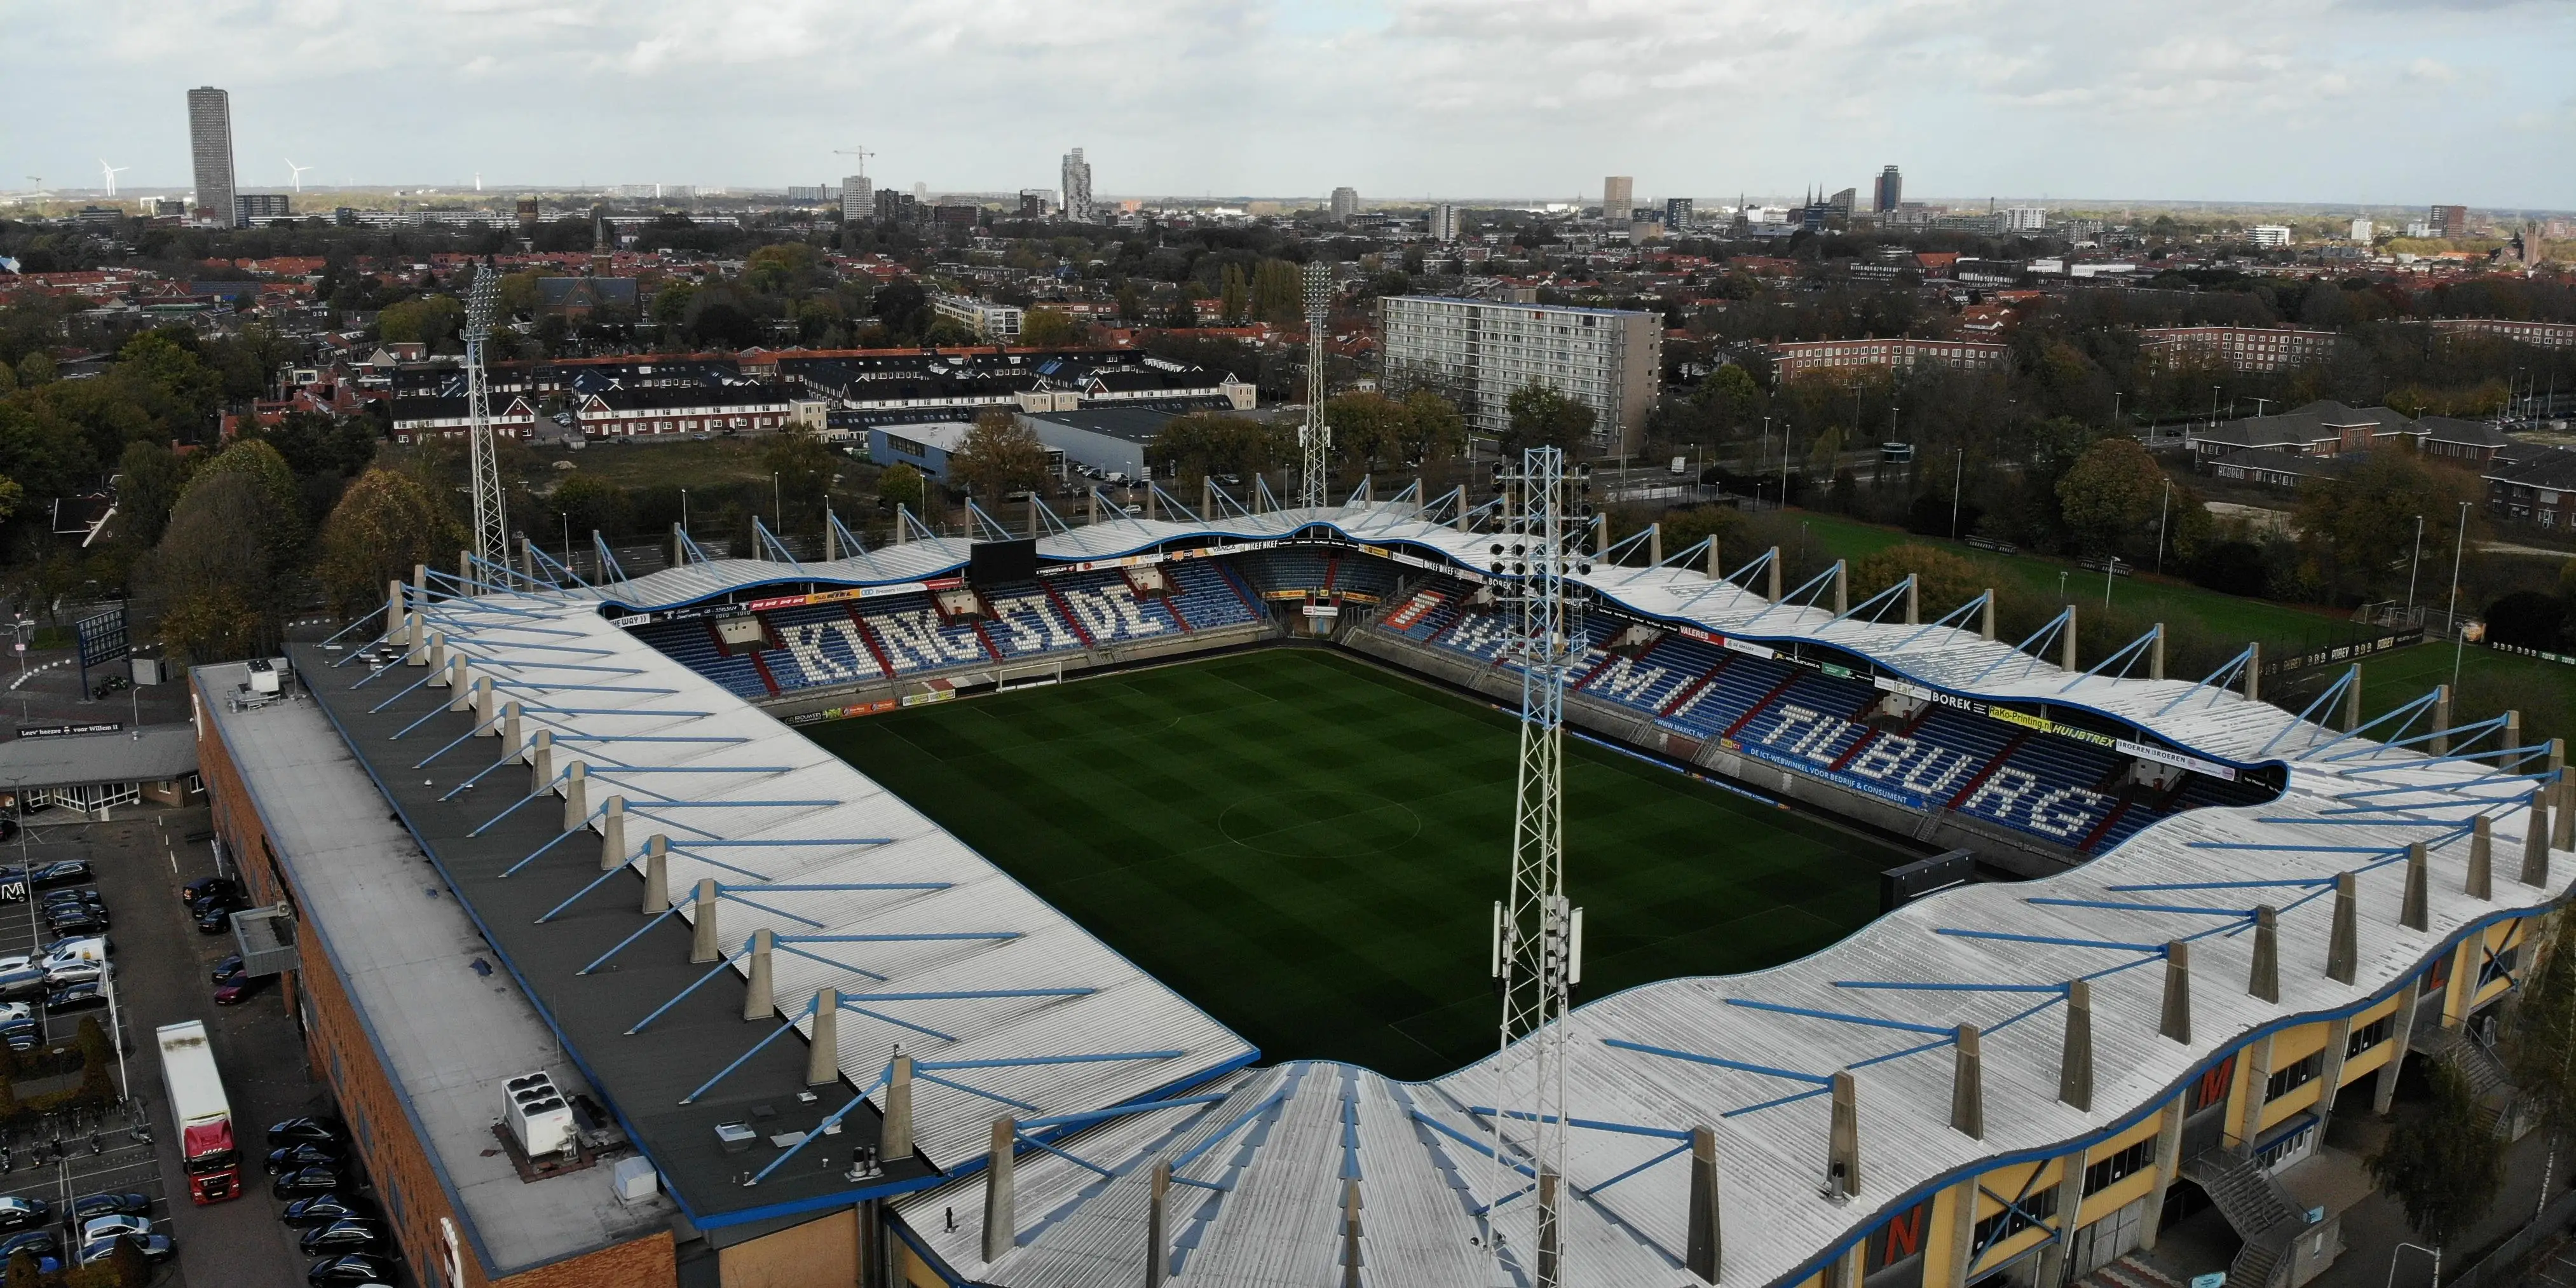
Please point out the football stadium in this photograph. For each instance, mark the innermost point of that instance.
(1117, 904)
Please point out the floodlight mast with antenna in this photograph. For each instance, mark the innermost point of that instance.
(1537, 958)
(1314, 437)
(491, 523)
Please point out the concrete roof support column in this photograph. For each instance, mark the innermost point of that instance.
(2416, 913)
(576, 790)
(509, 726)
(894, 1137)
(2481, 882)
(2352, 701)
(823, 1051)
(2075, 1059)
(460, 686)
(1773, 594)
(1842, 1156)
(1705, 1254)
(2535, 842)
(757, 1000)
(1001, 1218)
(1158, 1226)
(2175, 1022)
(2254, 673)
(1968, 1084)
(2168, 1163)
(483, 712)
(438, 658)
(1913, 600)
(657, 875)
(2156, 655)
(1986, 617)
(1842, 586)
(612, 834)
(416, 636)
(2066, 642)
(2343, 950)
(702, 942)
(541, 760)
(2264, 980)
(2441, 743)
(394, 621)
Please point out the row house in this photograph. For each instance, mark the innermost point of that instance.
(2239, 348)
(706, 409)
(2321, 428)
(2539, 488)
(2539, 335)
(1795, 358)
(419, 420)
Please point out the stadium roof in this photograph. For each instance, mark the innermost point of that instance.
(1742, 1054)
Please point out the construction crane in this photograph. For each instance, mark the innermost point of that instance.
(861, 152)
(491, 524)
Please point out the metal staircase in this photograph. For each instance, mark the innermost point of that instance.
(2257, 1207)
(2486, 1075)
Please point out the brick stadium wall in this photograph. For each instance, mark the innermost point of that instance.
(822, 1253)
(339, 1047)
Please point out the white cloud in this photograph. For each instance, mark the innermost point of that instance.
(2184, 98)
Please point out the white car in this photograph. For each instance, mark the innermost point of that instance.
(14, 961)
(17, 1011)
(114, 1224)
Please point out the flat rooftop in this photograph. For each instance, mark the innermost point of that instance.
(447, 1024)
(1134, 424)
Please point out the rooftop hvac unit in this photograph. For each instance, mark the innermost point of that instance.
(539, 1117)
(263, 677)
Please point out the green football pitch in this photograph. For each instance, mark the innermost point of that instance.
(1309, 847)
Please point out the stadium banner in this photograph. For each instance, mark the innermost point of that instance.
(844, 713)
(1728, 642)
(1323, 610)
(854, 592)
(1284, 595)
(2142, 751)
(2343, 652)
(925, 699)
(1160, 556)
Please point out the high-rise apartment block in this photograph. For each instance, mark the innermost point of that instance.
(1480, 352)
(1442, 226)
(1033, 203)
(1618, 198)
(2448, 221)
(1678, 216)
(2270, 235)
(858, 198)
(2362, 231)
(1077, 188)
(1346, 203)
(1891, 191)
(255, 207)
(210, 150)
(2024, 219)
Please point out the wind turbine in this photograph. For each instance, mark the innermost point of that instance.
(111, 172)
(299, 172)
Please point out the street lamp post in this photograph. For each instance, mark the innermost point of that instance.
(2459, 639)
(2162, 512)
(2413, 563)
(1958, 467)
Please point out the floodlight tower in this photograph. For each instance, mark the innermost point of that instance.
(1538, 935)
(1313, 437)
(491, 524)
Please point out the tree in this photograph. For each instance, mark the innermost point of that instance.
(804, 467)
(1000, 455)
(2441, 1162)
(1943, 580)
(428, 319)
(1542, 417)
(2358, 529)
(211, 575)
(2527, 619)
(1208, 442)
(278, 523)
(2544, 1047)
(1049, 329)
(150, 477)
(1368, 428)
(584, 505)
(1234, 295)
(1433, 428)
(2110, 494)
(902, 485)
(1278, 293)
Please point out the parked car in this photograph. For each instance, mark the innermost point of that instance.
(353, 1234)
(67, 947)
(209, 887)
(21, 1035)
(77, 972)
(89, 1206)
(114, 1224)
(241, 988)
(321, 1128)
(214, 917)
(323, 1209)
(302, 1154)
(67, 872)
(353, 1270)
(10, 1011)
(16, 1212)
(77, 894)
(154, 1247)
(81, 919)
(227, 970)
(305, 1180)
(20, 985)
(75, 997)
(40, 1242)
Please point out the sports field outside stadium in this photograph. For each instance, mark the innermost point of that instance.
(1309, 846)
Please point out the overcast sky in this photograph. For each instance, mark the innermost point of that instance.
(2391, 102)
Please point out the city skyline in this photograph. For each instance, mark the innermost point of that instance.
(2360, 102)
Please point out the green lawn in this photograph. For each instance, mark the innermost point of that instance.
(1310, 847)
(2545, 692)
(2227, 617)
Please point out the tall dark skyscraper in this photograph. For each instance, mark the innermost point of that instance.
(1891, 191)
(210, 147)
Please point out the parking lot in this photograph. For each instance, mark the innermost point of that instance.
(162, 967)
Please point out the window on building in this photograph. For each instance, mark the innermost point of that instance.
(2370, 1035)
(2499, 966)
(2034, 1208)
(2111, 1171)
(2294, 1076)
